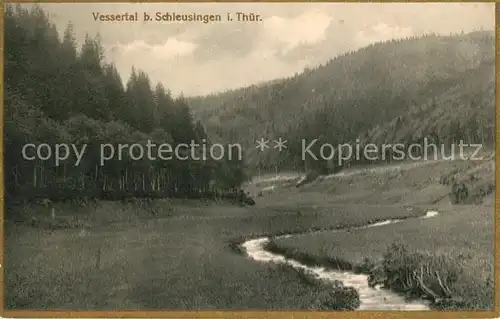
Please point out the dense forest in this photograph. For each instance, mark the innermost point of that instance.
(59, 92)
(435, 88)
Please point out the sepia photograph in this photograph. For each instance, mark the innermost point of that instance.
(248, 156)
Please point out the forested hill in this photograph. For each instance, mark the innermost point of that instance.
(56, 93)
(440, 87)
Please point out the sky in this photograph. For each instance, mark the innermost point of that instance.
(193, 58)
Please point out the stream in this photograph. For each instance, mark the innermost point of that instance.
(370, 298)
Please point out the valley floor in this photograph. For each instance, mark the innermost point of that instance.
(462, 235)
(174, 254)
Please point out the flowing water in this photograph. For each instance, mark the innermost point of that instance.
(371, 298)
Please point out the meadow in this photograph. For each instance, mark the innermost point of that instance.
(457, 244)
(170, 254)
(184, 254)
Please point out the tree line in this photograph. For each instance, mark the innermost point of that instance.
(434, 87)
(59, 92)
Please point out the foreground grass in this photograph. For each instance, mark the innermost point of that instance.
(179, 254)
(180, 257)
(458, 245)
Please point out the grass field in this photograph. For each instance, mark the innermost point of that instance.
(181, 261)
(461, 235)
(181, 257)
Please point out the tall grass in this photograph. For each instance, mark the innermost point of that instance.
(439, 278)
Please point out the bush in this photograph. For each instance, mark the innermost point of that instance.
(435, 277)
(327, 295)
(337, 297)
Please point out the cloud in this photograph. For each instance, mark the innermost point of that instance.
(172, 48)
(307, 28)
(276, 35)
(200, 58)
(381, 32)
(222, 42)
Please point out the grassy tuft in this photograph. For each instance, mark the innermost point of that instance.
(436, 277)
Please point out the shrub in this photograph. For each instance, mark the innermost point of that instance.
(435, 277)
(337, 297)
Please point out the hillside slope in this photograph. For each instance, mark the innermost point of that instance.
(365, 94)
